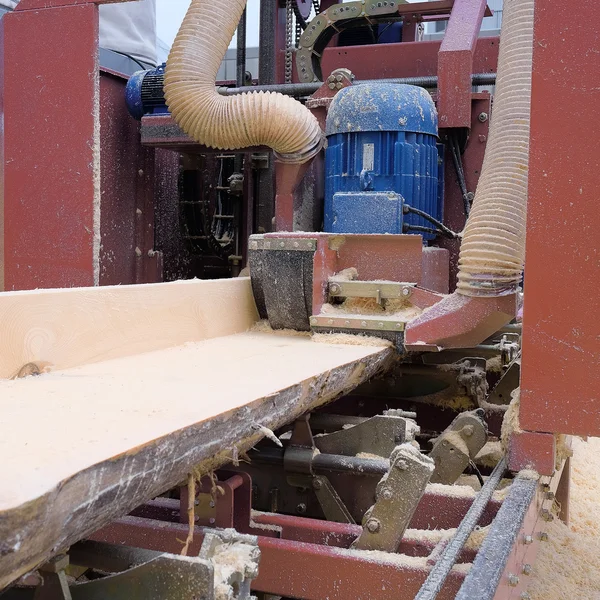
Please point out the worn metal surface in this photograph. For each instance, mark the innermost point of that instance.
(378, 435)
(484, 578)
(403, 60)
(397, 497)
(531, 450)
(455, 63)
(306, 569)
(560, 379)
(457, 446)
(51, 148)
(442, 568)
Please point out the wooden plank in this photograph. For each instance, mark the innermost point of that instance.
(59, 329)
(86, 445)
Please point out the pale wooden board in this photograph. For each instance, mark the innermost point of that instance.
(58, 329)
(86, 445)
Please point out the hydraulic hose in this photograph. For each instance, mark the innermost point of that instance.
(229, 123)
(493, 248)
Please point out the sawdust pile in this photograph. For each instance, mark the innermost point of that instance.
(264, 327)
(568, 564)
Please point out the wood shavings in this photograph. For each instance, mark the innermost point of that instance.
(191, 511)
(568, 564)
(350, 340)
(490, 455)
(510, 423)
(264, 327)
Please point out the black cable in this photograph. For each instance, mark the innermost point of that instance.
(448, 232)
(430, 230)
(460, 172)
(476, 472)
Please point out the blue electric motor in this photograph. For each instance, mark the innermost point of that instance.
(144, 93)
(382, 153)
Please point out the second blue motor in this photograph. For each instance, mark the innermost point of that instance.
(382, 153)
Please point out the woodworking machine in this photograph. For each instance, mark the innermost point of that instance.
(389, 234)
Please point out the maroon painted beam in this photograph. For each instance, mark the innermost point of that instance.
(455, 62)
(560, 378)
(409, 59)
(51, 147)
(37, 4)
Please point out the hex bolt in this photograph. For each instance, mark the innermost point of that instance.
(543, 536)
(547, 516)
(513, 580)
(469, 430)
(334, 288)
(301, 508)
(406, 292)
(339, 77)
(528, 539)
(527, 569)
(483, 117)
(373, 525)
(387, 494)
(332, 86)
(317, 484)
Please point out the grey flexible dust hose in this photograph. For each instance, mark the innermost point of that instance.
(493, 248)
(230, 123)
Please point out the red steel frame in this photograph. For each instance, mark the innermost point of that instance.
(79, 190)
(561, 322)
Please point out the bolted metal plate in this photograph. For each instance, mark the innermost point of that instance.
(291, 244)
(383, 7)
(360, 323)
(348, 10)
(370, 289)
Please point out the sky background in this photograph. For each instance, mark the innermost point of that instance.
(170, 13)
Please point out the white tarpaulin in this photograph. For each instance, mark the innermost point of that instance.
(128, 28)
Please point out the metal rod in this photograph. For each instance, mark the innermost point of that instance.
(306, 89)
(241, 52)
(484, 577)
(440, 571)
(328, 462)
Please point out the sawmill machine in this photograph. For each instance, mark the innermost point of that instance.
(378, 188)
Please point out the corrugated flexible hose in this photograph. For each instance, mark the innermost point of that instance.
(493, 248)
(230, 123)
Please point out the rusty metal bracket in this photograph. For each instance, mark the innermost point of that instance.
(398, 494)
(509, 381)
(298, 463)
(378, 435)
(457, 446)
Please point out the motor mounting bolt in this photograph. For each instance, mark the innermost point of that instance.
(406, 292)
(513, 580)
(483, 117)
(317, 484)
(373, 525)
(387, 494)
(527, 569)
(334, 288)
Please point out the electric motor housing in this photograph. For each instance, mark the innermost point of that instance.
(382, 153)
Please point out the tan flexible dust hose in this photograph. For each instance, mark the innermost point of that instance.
(229, 123)
(493, 248)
